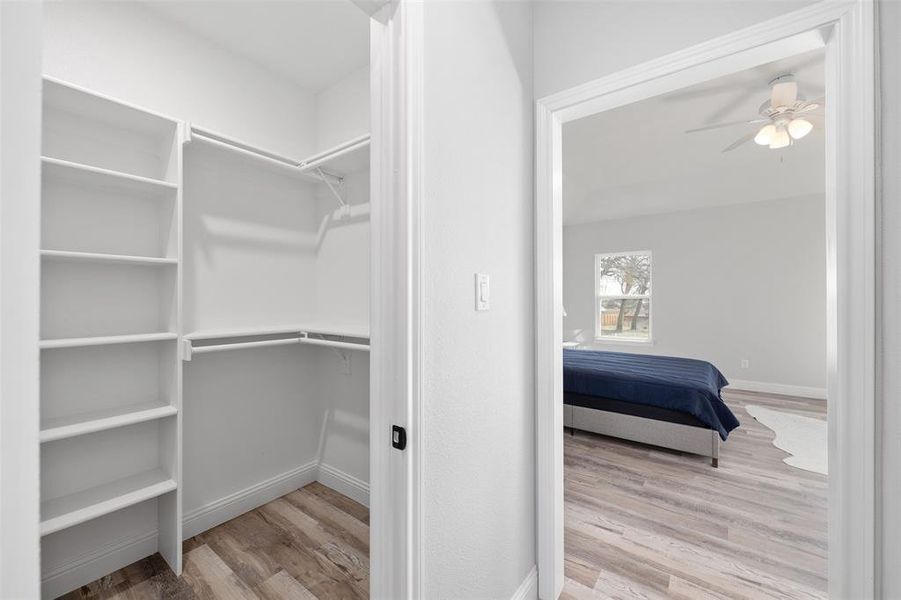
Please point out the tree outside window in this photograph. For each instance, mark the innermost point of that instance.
(623, 296)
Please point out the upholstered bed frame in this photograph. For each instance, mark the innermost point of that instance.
(640, 423)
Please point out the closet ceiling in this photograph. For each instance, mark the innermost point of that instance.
(311, 42)
(638, 160)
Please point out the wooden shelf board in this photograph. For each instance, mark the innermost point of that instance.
(67, 511)
(67, 427)
(105, 340)
(87, 175)
(98, 257)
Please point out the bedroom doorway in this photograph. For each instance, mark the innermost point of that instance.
(694, 361)
(619, 311)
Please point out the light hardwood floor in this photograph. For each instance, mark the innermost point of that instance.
(310, 544)
(650, 523)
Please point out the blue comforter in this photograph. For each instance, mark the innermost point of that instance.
(679, 384)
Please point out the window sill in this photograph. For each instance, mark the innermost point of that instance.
(623, 342)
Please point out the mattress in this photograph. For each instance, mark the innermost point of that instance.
(681, 385)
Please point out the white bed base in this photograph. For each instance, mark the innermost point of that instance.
(675, 436)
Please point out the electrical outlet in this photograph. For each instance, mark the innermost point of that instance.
(745, 363)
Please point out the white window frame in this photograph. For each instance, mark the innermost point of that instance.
(598, 336)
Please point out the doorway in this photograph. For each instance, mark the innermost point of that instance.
(844, 32)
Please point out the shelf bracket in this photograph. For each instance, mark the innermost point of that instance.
(337, 189)
(187, 350)
(184, 132)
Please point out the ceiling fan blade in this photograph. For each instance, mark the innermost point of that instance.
(742, 140)
(813, 105)
(727, 124)
(784, 94)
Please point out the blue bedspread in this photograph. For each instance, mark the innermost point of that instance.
(680, 384)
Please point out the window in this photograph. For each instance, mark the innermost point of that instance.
(622, 289)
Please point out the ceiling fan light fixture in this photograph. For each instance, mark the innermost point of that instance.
(765, 135)
(780, 138)
(798, 128)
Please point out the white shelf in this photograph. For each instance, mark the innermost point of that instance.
(105, 340)
(92, 106)
(348, 157)
(87, 175)
(95, 257)
(67, 427)
(353, 331)
(67, 511)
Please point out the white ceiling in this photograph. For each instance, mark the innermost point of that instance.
(312, 42)
(638, 160)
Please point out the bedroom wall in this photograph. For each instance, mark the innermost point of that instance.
(477, 367)
(736, 282)
(128, 52)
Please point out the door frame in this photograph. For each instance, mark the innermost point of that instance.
(20, 206)
(846, 30)
(396, 124)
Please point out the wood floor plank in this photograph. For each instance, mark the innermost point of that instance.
(281, 586)
(658, 523)
(211, 578)
(310, 545)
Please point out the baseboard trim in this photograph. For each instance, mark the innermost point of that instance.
(236, 504)
(350, 486)
(96, 564)
(528, 589)
(778, 388)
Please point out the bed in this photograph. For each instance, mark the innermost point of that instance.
(659, 400)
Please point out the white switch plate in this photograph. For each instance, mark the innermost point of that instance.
(483, 292)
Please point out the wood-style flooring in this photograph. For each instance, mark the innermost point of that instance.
(310, 544)
(642, 522)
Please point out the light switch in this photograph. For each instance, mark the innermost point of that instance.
(483, 292)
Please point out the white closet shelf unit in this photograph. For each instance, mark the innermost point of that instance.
(101, 258)
(105, 340)
(81, 174)
(66, 427)
(111, 270)
(73, 509)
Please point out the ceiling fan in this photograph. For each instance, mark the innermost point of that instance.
(786, 117)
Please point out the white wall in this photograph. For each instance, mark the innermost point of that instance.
(477, 392)
(580, 40)
(130, 53)
(20, 180)
(889, 276)
(746, 281)
(342, 110)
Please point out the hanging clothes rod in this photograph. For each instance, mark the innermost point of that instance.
(245, 149)
(303, 338)
(336, 152)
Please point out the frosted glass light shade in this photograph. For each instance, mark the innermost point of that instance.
(798, 128)
(765, 135)
(780, 139)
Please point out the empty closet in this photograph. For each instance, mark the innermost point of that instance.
(204, 273)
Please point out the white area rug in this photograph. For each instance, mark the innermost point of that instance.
(802, 437)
